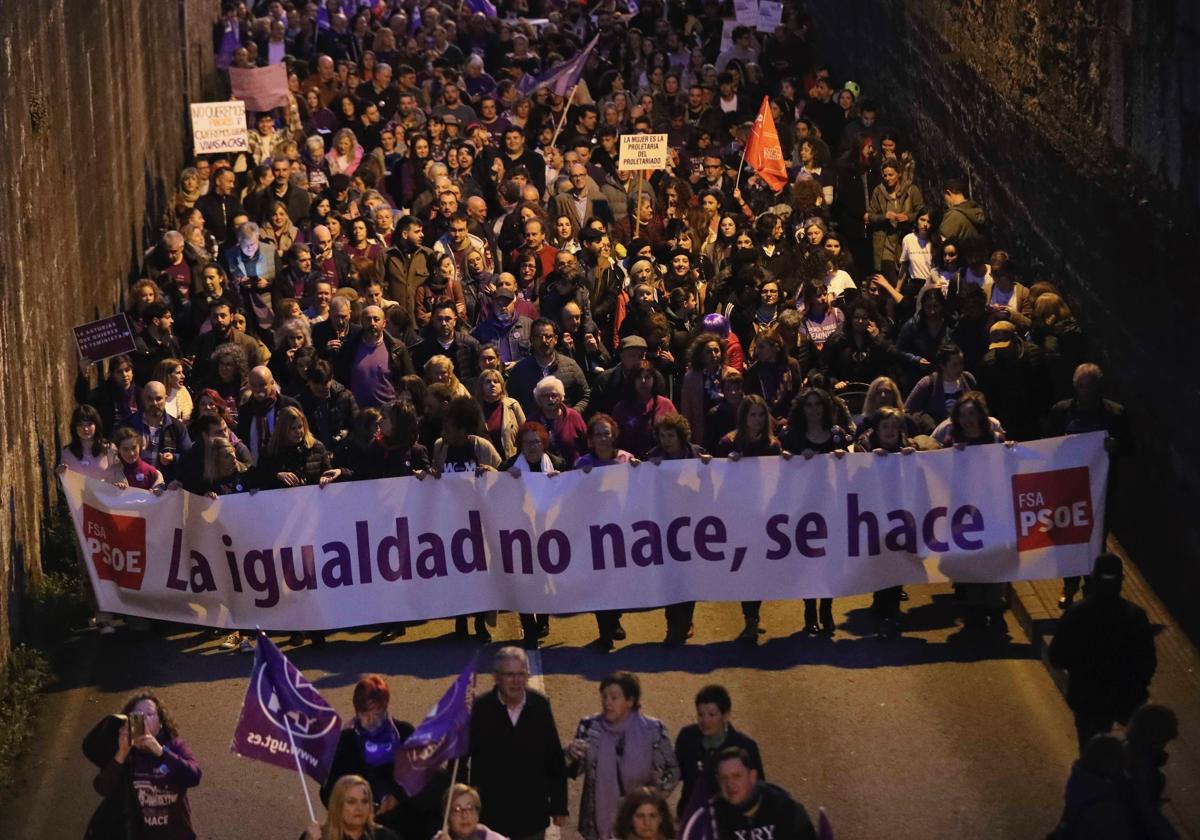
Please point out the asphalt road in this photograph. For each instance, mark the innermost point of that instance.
(935, 735)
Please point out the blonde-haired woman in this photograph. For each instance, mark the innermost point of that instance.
(350, 814)
(294, 457)
(179, 400)
(440, 369)
(464, 808)
(502, 415)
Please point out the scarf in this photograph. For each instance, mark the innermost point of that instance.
(186, 199)
(379, 746)
(522, 464)
(624, 762)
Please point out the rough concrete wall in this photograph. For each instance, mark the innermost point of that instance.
(1078, 126)
(92, 132)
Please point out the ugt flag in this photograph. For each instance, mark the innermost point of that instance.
(699, 821)
(443, 736)
(763, 151)
(279, 698)
(560, 79)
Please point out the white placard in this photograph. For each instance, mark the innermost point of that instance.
(643, 151)
(219, 127)
(770, 15)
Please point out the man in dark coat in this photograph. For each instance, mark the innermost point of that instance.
(516, 758)
(371, 363)
(1106, 645)
(442, 337)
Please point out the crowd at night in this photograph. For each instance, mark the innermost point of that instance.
(430, 264)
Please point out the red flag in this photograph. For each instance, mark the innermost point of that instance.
(763, 151)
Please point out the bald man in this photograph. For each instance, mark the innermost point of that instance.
(164, 438)
(256, 420)
(371, 363)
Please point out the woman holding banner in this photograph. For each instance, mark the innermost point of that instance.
(350, 814)
(811, 431)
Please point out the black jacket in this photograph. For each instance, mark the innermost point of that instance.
(695, 758)
(463, 352)
(249, 415)
(1106, 645)
(519, 770)
(778, 817)
(306, 462)
(332, 418)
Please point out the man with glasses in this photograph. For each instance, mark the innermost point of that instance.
(578, 202)
(516, 757)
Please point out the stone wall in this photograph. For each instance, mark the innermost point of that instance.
(1078, 127)
(93, 130)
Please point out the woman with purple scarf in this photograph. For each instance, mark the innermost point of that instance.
(618, 750)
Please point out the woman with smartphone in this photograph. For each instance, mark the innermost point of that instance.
(145, 772)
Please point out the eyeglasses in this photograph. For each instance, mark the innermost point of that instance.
(464, 809)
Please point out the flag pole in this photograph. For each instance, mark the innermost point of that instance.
(449, 799)
(737, 181)
(637, 205)
(303, 784)
(563, 119)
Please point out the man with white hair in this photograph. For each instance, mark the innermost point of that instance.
(517, 760)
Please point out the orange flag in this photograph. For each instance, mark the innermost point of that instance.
(763, 152)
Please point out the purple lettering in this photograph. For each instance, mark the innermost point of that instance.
(673, 548)
(431, 562)
(709, 538)
(559, 539)
(520, 538)
(338, 569)
(403, 568)
(809, 529)
(616, 538)
(364, 550)
(854, 521)
(267, 582)
(929, 529)
(293, 581)
(469, 537)
(967, 520)
(647, 549)
(903, 537)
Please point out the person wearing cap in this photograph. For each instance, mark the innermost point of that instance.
(505, 327)
(610, 386)
(1013, 377)
(1106, 645)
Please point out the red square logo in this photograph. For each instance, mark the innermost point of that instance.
(116, 546)
(1053, 508)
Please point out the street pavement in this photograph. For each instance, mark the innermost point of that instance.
(936, 735)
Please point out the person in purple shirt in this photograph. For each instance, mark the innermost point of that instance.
(602, 432)
(146, 770)
(372, 362)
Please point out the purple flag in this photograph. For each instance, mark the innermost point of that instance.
(483, 6)
(443, 736)
(824, 828)
(560, 79)
(278, 692)
(699, 819)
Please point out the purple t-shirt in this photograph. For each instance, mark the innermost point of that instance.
(370, 380)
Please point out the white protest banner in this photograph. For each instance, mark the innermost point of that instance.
(643, 151)
(218, 127)
(372, 552)
(770, 15)
(745, 12)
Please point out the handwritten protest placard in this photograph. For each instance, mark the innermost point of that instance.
(218, 127)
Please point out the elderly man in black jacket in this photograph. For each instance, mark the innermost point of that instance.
(516, 758)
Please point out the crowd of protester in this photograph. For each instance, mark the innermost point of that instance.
(427, 264)
(404, 276)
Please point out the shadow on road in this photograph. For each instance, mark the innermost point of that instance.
(178, 654)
